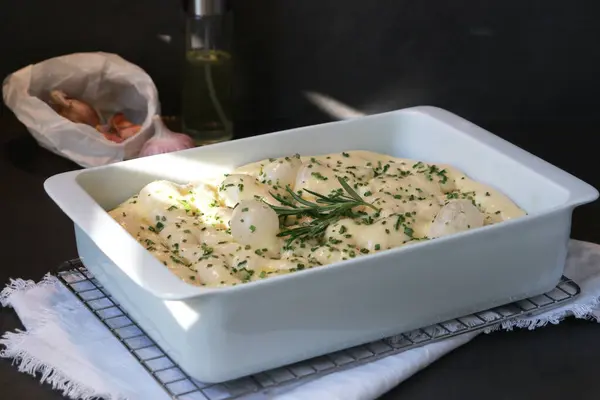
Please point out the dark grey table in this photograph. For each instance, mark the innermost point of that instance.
(549, 363)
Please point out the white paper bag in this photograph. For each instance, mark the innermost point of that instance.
(105, 81)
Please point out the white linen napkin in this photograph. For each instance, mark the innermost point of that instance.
(76, 353)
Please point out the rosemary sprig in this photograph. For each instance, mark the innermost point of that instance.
(325, 211)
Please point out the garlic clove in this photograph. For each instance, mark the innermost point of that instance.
(123, 126)
(113, 137)
(118, 119)
(130, 131)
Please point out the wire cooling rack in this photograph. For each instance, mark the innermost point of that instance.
(180, 386)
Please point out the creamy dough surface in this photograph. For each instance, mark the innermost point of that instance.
(282, 215)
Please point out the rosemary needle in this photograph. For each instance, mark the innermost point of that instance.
(325, 211)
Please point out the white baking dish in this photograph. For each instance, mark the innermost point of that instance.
(224, 333)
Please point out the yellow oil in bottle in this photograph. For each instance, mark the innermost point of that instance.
(207, 102)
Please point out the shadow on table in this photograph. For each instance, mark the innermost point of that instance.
(25, 154)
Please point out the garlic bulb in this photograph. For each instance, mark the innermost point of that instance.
(74, 110)
(164, 140)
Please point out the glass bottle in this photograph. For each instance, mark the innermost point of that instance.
(207, 77)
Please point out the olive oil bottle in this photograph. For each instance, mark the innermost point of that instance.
(207, 76)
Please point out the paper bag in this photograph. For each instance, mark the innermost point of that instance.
(105, 81)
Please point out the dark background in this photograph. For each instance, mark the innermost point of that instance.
(508, 61)
(526, 70)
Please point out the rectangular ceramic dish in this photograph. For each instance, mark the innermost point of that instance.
(221, 334)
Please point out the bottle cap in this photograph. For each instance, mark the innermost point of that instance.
(201, 8)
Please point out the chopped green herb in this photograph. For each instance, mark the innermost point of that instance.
(207, 250)
(399, 221)
(318, 175)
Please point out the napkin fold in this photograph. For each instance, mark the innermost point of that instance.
(69, 348)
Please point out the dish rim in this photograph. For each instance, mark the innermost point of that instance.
(64, 188)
